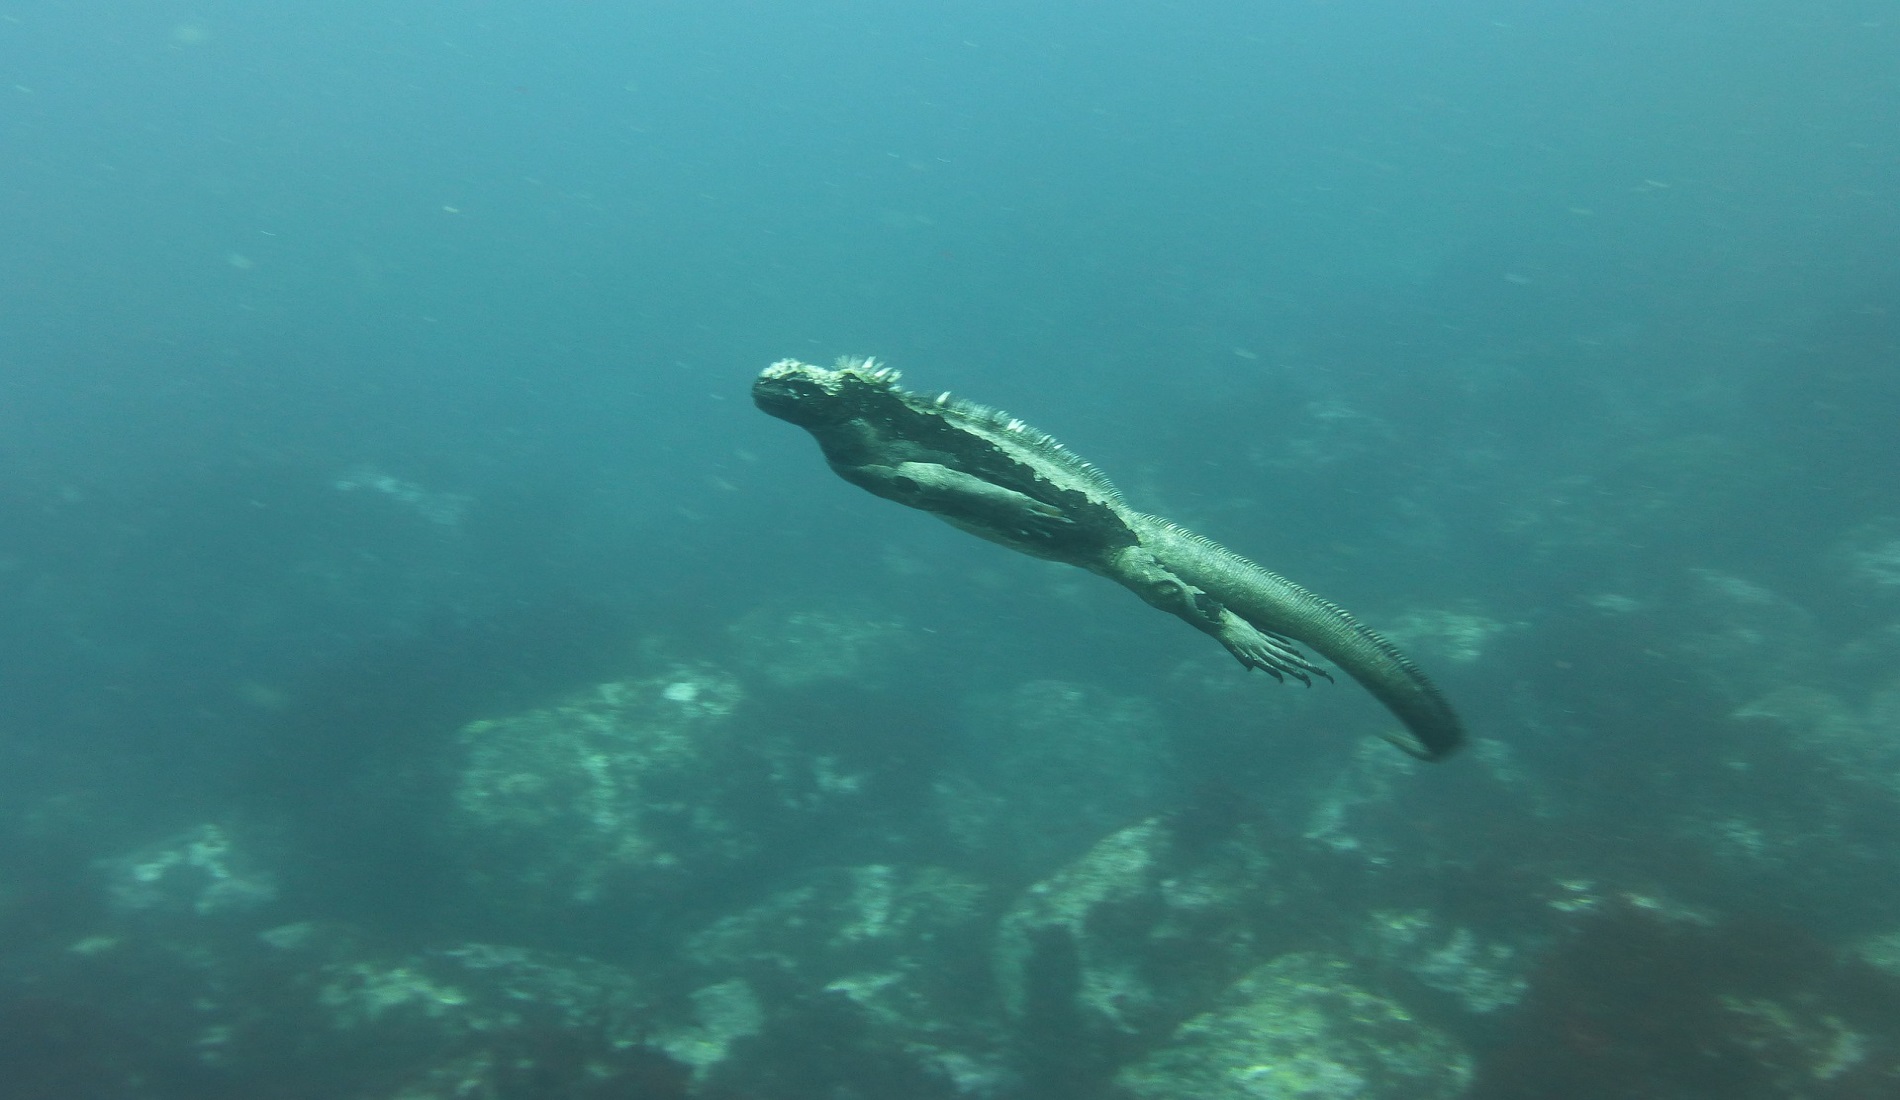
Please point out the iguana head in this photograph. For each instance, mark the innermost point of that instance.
(812, 396)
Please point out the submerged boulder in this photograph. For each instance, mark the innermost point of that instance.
(1302, 1027)
(554, 806)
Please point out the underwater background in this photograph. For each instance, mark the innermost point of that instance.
(423, 673)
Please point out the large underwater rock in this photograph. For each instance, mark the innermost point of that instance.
(1133, 934)
(1736, 636)
(882, 964)
(1646, 998)
(1302, 1027)
(145, 1009)
(554, 806)
(202, 871)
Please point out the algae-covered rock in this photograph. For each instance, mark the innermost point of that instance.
(1796, 774)
(1803, 774)
(1738, 636)
(470, 1020)
(1119, 871)
(1680, 1002)
(202, 871)
(554, 804)
(893, 942)
(1804, 1046)
(723, 1013)
(838, 919)
(1138, 933)
(1882, 952)
(198, 1009)
(1302, 1027)
(883, 961)
(1826, 727)
(1349, 812)
(1484, 975)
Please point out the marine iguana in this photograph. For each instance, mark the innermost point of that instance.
(990, 474)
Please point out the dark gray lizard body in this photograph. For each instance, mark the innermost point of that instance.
(992, 475)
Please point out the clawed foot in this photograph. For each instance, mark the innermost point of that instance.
(1269, 653)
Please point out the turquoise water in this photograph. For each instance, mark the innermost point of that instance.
(371, 372)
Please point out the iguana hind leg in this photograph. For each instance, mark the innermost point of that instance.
(1141, 572)
(1270, 653)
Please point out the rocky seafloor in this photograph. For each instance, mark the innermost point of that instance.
(782, 868)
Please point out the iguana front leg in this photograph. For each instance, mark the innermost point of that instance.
(1140, 571)
(962, 498)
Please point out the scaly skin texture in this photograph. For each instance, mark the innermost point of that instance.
(994, 476)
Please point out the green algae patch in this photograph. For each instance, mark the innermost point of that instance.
(1298, 1028)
